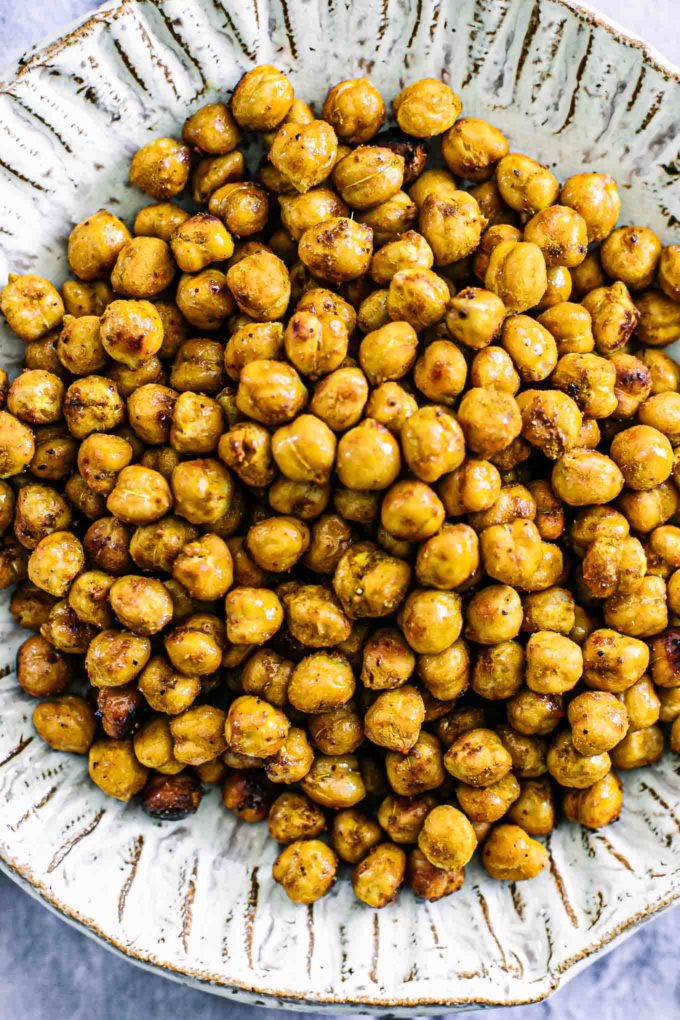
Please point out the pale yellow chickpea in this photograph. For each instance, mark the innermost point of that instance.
(494, 614)
(451, 225)
(426, 108)
(306, 870)
(510, 854)
(389, 352)
(525, 185)
(337, 250)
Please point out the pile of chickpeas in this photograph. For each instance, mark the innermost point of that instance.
(354, 491)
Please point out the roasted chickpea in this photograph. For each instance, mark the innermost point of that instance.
(271, 392)
(203, 490)
(372, 312)
(488, 803)
(368, 457)
(306, 870)
(586, 477)
(66, 724)
(253, 615)
(79, 347)
(116, 657)
(571, 768)
(92, 404)
(55, 561)
(335, 782)
(490, 420)
(517, 274)
(644, 456)
(160, 220)
(354, 834)
(426, 108)
(198, 734)
(494, 614)
(204, 299)
(596, 198)
(511, 553)
(669, 270)
(391, 218)
(262, 98)
(528, 752)
(293, 816)
(161, 168)
(473, 487)
(472, 147)
(431, 620)
(254, 342)
(277, 543)
(478, 758)
(613, 661)
(314, 616)
(30, 606)
(195, 646)
(642, 704)
(431, 883)
(510, 854)
(316, 345)
(355, 109)
(42, 671)
(260, 285)
(301, 499)
(631, 255)
(31, 305)
(144, 268)
(451, 225)
(534, 714)
(200, 240)
(139, 495)
(534, 810)
(498, 670)
(304, 154)
(525, 185)
(394, 719)
(662, 411)
(388, 352)
(368, 176)
(82, 298)
(339, 398)
(114, 768)
(638, 748)
(330, 537)
(337, 250)
(447, 838)
(419, 770)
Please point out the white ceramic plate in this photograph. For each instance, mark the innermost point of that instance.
(195, 899)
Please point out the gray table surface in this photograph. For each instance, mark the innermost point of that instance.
(49, 970)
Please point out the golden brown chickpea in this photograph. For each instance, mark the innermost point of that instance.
(402, 817)
(368, 457)
(150, 412)
(339, 398)
(472, 147)
(321, 682)
(571, 326)
(100, 458)
(330, 537)
(66, 724)
(156, 546)
(165, 690)
(589, 380)
(354, 834)
(388, 662)
(369, 176)
(277, 543)
(551, 421)
(432, 442)
(474, 317)
(534, 714)
(659, 322)
(139, 496)
(255, 728)
(195, 647)
(473, 487)
(534, 810)
(316, 345)
(663, 371)
(154, 748)
(531, 347)
(200, 240)
(42, 671)
(204, 299)
(498, 671)
(40, 511)
(596, 198)
(260, 285)
(490, 420)
(355, 109)
(669, 271)
(306, 870)
(394, 719)
(144, 268)
(293, 816)
(641, 610)
(426, 108)
(30, 606)
(197, 423)
(65, 631)
(299, 212)
(488, 803)
(88, 595)
(36, 397)
(160, 220)
(631, 255)
(418, 297)
(86, 298)
(525, 185)
(447, 838)
(528, 753)
(271, 392)
(586, 477)
(561, 234)
(419, 770)
(509, 854)
(369, 582)
(377, 878)
(372, 312)
(42, 355)
(554, 663)
(79, 347)
(304, 154)
(612, 661)
(211, 129)
(408, 250)
(492, 369)
(639, 748)
(300, 499)
(511, 553)
(161, 168)
(388, 352)
(446, 674)
(494, 614)
(431, 883)
(92, 404)
(337, 250)
(664, 541)
(391, 405)
(669, 699)
(116, 657)
(246, 792)
(55, 561)
(391, 218)
(662, 412)
(412, 511)
(106, 544)
(517, 274)
(666, 660)
(431, 620)
(571, 768)
(262, 98)
(514, 502)
(339, 731)
(633, 384)
(203, 490)
(243, 207)
(549, 610)
(114, 768)
(335, 781)
(478, 758)
(246, 449)
(31, 305)
(293, 761)
(452, 225)
(94, 244)
(198, 734)
(644, 456)
(642, 704)
(254, 342)
(204, 567)
(313, 615)
(253, 615)
(304, 451)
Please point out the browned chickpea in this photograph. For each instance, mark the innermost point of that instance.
(161, 168)
(159, 220)
(316, 345)
(195, 647)
(154, 748)
(39, 511)
(451, 225)
(65, 631)
(40, 355)
(510, 854)
(330, 537)
(253, 615)
(139, 496)
(419, 770)
(639, 748)
(313, 615)
(66, 724)
(511, 553)
(55, 561)
(354, 834)
(614, 317)
(114, 768)
(246, 449)
(426, 108)
(431, 620)
(447, 838)
(246, 791)
(474, 317)
(243, 206)
(666, 660)
(517, 274)
(669, 271)
(335, 781)
(321, 682)
(338, 731)
(260, 285)
(337, 250)
(528, 752)
(31, 305)
(659, 322)
(488, 803)
(368, 457)
(293, 816)
(571, 326)
(664, 373)
(377, 878)
(642, 704)
(368, 176)
(554, 663)
(254, 342)
(473, 487)
(561, 234)
(100, 459)
(388, 662)
(494, 614)
(204, 567)
(204, 299)
(277, 543)
(558, 290)
(200, 240)
(394, 719)
(304, 154)
(372, 312)
(271, 392)
(94, 244)
(613, 661)
(211, 129)
(571, 768)
(116, 657)
(409, 250)
(412, 511)
(262, 98)
(36, 397)
(203, 490)
(306, 870)
(472, 147)
(446, 674)
(596, 198)
(79, 347)
(490, 420)
(525, 185)
(498, 670)
(402, 817)
(534, 810)
(640, 611)
(478, 758)
(30, 606)
(144, 268)
(255, 728)
(301, 499)
(432, 442)
(198, 734)
(662, 412)
(92, 404)
(669, 709)
(431, 883)
(339, 398)
(106, 544)
(631, 255)
(492, 369)
(304, 451)
(534, 714)
(165, 690)
(86, 298)
(549, 610)
(586, 477)
(589, 380)
(355, 109)
(197, 423)
(644, 456)
(633, 384)
(42, 671)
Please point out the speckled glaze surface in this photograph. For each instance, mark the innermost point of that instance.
(196, 898)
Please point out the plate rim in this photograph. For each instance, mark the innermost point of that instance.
(212, 983)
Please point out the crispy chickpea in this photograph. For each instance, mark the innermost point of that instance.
(313, 615)
(246, 449)
(139, 496)
(388, 352)
(144, 268)
(293, 761)
(669, 271)
(517, 274)
(391, 218)
(644, 456)
(492, 368)
(409, 250)
(473, 487)
(412, 511)
(301, 211)
(402, 817)
(116, 657)
(260, 285)
(88, 596)
(549, 610)
(571, 327)
(512, 552)
(154, 748)
(159, 220)
(304, 450)
(94, 244)
(30, 606)
(204, 567)
(525, 185)
(355, 109)
(659, 322)
(211, 129)
(631, 255)
(488, 803)
(642, 704)
(166, 690)
(490, 420)
(665, 542)
(368, 176)
(633, 384)
(597, 806)
(92, 404)
(36, 397)
(534, 714)
(510, 854)
(432, 442)
(301, 499)
(246, 792)
(338, 731)
(277, 543)
(271, 392)
(426, 108)
(596, 198)
(100, 459)
(391, 405)
(388, 662)
(65, 631)
(200, 240)
(531, 347)
(377, 878)
(106, 543)
(561, 234)
(474, 317)
(662, 411)
(316, 345)
(335, 781)
(82, 298)
(528, 752)
(665, 659)
(663, 371)
(337, 250)
(354, 834)
(262, 98)
(120, 710)
(150, 411)
(255, 728)
(638, 748)
(304, 154)
(79, 347)
(451, 225)
(590, 381)
(612, 661)
(431, 883)
(554, 663)
(339, 398)
(368, 457)
(478, 758)
(204, 299)
(330, 537)
(306, 870)
(571, 768)
(669, 709)
(445, 674)
(253, 615)
(321, 682)
(197, 423)
(431, 620)
(66, 724)
(203, 490)
(394, 719)
(551, 421)
(198, 734)
(243, 207)
(447, 838)
(253, 342)
(39, 511)
(293, 816)
(114, 768)
(419, 770)
(640, 611)
(472, 147)
(195, 647)
(161, 168)
(494, 614)
(42, 671)
(31, 305)
(498, 670)
(586, 477)
(372, 312)
(534, 810)
(55, 561)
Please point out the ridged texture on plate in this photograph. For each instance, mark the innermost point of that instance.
(197, 897)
